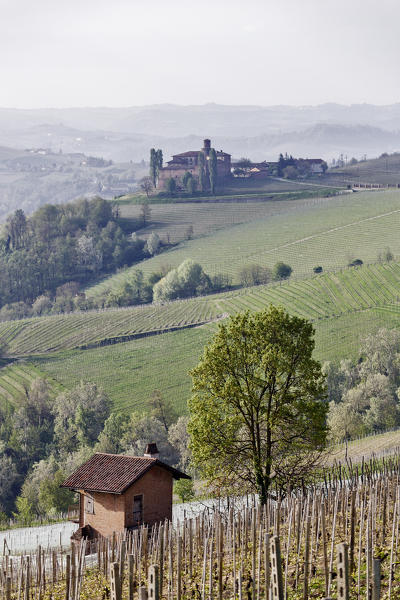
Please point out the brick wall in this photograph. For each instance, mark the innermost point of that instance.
(114, 512)
(109, 513)
(156, 487)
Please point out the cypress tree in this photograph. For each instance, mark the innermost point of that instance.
(202, 172)
(213, 173)
(153, 166)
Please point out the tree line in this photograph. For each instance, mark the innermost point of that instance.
(59, 244)
(44, 438)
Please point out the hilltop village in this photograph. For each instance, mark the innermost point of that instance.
(208, 169)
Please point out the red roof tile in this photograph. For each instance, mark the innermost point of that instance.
(114, 473)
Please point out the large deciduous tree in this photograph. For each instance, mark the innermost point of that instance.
(258, 412)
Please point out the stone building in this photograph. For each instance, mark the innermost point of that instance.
(189, 162)
(119, 492)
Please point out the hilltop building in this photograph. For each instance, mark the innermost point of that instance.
(189, 162)
(119, 492)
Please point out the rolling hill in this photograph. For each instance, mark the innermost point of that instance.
(328, 232)
(119, 349)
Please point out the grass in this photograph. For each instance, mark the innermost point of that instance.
(16, 379)
(328, 233)
(344, 307)
(366, 447)
(209, 217)
(80, 330)
(384, 170)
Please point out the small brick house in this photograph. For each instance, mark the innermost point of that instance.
(119, 492)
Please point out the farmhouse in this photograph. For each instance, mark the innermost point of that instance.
(189, 162)
(121, 492)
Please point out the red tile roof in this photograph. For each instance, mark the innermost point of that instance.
(114, 473)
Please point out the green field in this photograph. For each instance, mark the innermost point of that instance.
(344, 306)
(209, 217)
(94, 328)
(327, 233)
(129, 372)
(383, 170)
(121, 349)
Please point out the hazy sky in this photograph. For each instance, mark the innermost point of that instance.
(133, 52)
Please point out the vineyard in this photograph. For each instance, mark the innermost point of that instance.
(118, 349)
(95, 328)
(172, 220)
(338, 539)
(326, 233)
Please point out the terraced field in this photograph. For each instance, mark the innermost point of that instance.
(16, 378)
(129, 372)
(345, 306)
(79, 330)
(328, 234)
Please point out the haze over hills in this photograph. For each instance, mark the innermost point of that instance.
(260, 132)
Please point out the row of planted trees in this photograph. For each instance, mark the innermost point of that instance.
(287, 548)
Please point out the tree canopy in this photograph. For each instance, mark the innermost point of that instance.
(258, 412)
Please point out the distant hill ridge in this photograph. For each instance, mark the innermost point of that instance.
(260, 132)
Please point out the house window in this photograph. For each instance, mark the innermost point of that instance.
(138, 510)
(89, 505)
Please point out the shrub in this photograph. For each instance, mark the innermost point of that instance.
(253, 274)
(184, 488)
(357, 262)
(281, 271)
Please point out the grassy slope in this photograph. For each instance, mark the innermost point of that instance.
(385, 170)
(365, 447)
(208, 217)
(129, 372)
(77, 330)
(326, 234)
(344, 307)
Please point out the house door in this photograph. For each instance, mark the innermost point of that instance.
(137, 510)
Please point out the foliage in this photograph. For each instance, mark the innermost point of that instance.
(143, 429)
(178, 436)
(146, 185)
(184, 489)
(213, 170)
(170, 186)
(24, 512)
(153, 244)
(79, 416)
(254, 274)
(59, 244)
(281, 271)
(187, 280)
(364, 396)
(145, 213)
(257, 415)
(156, 162)
(162, 409)
(202, 172)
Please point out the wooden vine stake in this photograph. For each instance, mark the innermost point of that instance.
(115, 583)
(153, 591)
(342, 572)
(376, 579)
(276, 564)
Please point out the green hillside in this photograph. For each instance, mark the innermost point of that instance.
(384, 170)
(95, 328)
(328, 233)
(344, 306)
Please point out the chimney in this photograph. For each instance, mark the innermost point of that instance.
(151, 451)
(207, 147)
